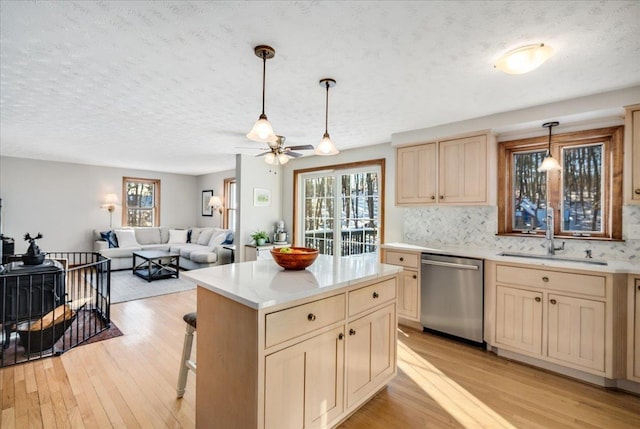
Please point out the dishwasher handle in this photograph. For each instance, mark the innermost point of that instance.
(450, 265)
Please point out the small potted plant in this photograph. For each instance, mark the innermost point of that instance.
(260, 237)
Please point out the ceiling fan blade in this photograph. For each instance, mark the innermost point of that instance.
(263, 153)
(293, 154)
(301, 147)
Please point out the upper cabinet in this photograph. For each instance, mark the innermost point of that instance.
(451, 171)
(632, 161)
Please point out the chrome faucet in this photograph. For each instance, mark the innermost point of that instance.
(551, 248)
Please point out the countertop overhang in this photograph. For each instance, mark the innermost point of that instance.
(262, 284)
(613, 266)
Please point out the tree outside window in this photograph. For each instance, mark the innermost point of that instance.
(141, 202)
(586, 195)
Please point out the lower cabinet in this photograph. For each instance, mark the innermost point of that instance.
(519, 319)
(304, 383)
(370, 352)
(571, 318)
(408, 282)
(576, 331)
(633, 344)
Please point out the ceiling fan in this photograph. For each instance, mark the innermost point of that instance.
(277, 152)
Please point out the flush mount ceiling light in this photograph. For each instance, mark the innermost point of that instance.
(524, 59)
(262, 130)
(549, 163)
(326, 146)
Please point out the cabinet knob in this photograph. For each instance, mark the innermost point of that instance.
(637, 191)
(415, 276)
(352, 332)
(340, 336)
(538, 299)
(638, 287)
(442, 197)
(311, 317)
(433, 197)
(401, 259)
(545, 279)
(553, 301)
(375, 295)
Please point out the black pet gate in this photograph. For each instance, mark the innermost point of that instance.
(50, 308)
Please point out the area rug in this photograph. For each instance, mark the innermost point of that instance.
(127, 287)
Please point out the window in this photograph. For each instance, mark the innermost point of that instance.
(586, 196)
(230, 208)
(142, 202)
(340, 211)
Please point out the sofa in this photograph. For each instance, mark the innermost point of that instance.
(197, 247)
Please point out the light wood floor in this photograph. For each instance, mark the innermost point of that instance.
(129, 382)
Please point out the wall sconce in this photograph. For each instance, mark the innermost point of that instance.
(216, 203)
(110, 202)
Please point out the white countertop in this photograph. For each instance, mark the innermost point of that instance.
(261, 284)
(613, 266)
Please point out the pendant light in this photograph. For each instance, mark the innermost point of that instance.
(326, 146)
(262, 130)
(549, 163)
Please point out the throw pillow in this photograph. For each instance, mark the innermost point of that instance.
(217, 239)
(110, 237)
(228, 239)
(178, 236)
(205, 236)
(126, 238)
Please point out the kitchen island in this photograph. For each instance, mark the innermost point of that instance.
(293, 349)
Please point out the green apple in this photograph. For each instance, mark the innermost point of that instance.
(285, 250)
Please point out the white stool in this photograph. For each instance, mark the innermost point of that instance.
(186, 363)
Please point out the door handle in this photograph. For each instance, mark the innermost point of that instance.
(449, 264)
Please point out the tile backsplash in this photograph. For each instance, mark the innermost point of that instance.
(476, 226)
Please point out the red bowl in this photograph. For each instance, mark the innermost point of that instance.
(299, 258)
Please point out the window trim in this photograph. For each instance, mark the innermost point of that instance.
(156, 198)
(228, 206)
(380, 162)
(612, 137)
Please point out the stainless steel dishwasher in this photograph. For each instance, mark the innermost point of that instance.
(452, 295)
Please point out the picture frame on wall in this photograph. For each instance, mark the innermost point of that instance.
(261, 197)
(207, 210)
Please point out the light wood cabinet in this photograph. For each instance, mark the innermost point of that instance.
(632, 156)
(294, 365)
(633, 342)
(576, 331)
(304, 383)
(452, 171)
(408, 302)
(519, 319)
(371, 353)
(570, 318)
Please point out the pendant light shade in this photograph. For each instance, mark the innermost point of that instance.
(326, 145)
(549, 163)
(262, 130)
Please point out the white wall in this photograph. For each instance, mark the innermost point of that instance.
(62, 201)
(254, 173)
(215, 182)
(393, 221)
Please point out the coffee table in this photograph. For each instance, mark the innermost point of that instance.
(156, 264)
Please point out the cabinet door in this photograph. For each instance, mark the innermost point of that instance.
(416, 174)
(635, 154)
(636, 330)
(463, 170)
(519, 319)
(408, 295)
(304, 383)
(371, 351)
(576, 331)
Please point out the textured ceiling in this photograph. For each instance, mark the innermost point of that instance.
(174, 86)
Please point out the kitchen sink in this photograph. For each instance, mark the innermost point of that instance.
(553, 258)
